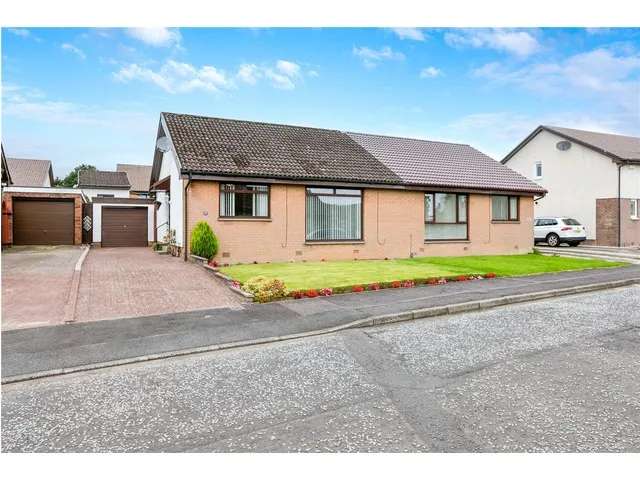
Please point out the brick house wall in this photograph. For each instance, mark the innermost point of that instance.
(7, 213)
(393, 227)
(607, 223)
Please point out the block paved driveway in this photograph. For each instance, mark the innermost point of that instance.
(35, 285)
(132, 282)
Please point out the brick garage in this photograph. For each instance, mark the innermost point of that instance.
(607, 223)
(10, 198)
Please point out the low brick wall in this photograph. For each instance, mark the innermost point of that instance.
(607, 223)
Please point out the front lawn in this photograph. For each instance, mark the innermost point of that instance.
(307, 275)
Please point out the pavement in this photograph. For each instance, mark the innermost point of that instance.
(60, 349)
(36, 282)
(558, 375)
(622, 254)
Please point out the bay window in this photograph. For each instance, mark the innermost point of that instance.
(504, 208)
(446, 216)
(333, 214)
(244, 200)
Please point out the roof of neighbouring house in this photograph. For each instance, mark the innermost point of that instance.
(29, 172)
(139, 176)
(424, 162)
(224, 147)
(91, 178)
(6, 175)
(619, 147)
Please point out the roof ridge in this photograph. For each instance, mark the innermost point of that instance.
(555, 127)
(408, 138)
(256, 122)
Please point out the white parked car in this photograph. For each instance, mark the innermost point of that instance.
(556, 230)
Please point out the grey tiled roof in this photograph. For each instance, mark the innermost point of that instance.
(139, 176)
(28, 172)
(239, 148)
(428, 163)
(100, 179)
(621, 146)
(235, 147)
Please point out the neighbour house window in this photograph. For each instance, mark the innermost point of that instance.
(538, 171)
(244, 200)
(634, 208)
(106, 195)
(445, 216)
(333, 214)
(505, 208)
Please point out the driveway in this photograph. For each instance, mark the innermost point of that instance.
(35, 285)
(558, 375)
(133, 282)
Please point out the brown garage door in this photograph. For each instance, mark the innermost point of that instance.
(43, 222)
(124, 226)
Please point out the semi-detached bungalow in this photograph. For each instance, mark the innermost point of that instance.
(288, 193)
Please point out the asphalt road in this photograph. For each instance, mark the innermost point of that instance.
(558, 375)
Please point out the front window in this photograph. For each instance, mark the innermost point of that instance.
(333, 214)
(505, 208)
(445, 216)
(244, 200)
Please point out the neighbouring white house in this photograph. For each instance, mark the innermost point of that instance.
(590, 176)
(101, 184)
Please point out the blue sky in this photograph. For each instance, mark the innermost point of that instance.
(77, 95)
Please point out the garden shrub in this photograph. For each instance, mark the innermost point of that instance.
(312, 293)
(265, 289)
(203, 241)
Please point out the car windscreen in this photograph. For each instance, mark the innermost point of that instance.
(570, 221)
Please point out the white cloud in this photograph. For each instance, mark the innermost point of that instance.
(31, 104)
(73, 49)
(313, 73)
(430, 72)
(249, 73)
(20, 32)
(177, 77)
(371, 58)
(516, 42)
(410, 34)
(156, 37)
(601, 75)
(288, 68)
(282, 75)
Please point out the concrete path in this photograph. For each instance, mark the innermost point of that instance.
(558, 375)
(86, 345)
(132, 282)
(614, 254)
(36, 284)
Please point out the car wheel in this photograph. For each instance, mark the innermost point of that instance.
(553, 240)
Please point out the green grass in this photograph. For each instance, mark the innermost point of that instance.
(305, 275)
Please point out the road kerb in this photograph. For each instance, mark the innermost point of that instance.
(362, 323)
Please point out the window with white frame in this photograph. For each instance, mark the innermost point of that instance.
(538, 170)
(634, 208)
(333, 214)
(244, 200)
(445, 216)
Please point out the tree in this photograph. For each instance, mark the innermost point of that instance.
(71, 179)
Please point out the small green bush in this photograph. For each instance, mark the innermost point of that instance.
(203, 241)
(265, 289)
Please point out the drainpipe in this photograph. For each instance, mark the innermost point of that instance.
(184, 217)
(619, 205)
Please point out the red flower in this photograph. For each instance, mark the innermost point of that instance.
(312, 293)
(396, 284)
(325, 292)
(490, 275)
(357, 289)
(432, 281)
(374, 286)
(297, 294)
(213, 263)
(408, 284)
(462, 278)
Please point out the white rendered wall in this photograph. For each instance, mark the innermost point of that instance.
(170, 209)
(116, 192)
(97, 219)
